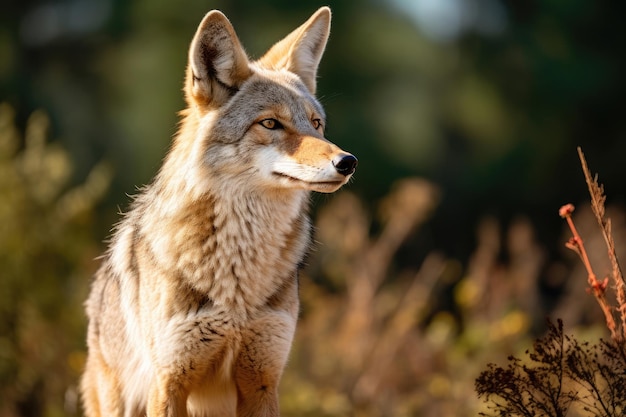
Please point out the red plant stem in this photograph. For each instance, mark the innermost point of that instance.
(578, 241)
(598, 288)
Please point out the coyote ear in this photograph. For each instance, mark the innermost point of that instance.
(301, 51)
(218, 65)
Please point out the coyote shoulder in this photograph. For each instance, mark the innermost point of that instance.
(194, 307)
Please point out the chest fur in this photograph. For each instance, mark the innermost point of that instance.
(236, 250)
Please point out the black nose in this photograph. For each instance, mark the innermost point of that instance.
(345, 164)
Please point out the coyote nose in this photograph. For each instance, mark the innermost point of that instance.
(345, 164)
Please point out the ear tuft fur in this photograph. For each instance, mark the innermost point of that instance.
(218, 63)
(301, 51)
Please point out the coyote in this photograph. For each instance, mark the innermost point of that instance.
(194, 307)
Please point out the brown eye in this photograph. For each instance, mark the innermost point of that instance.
(271, 124)
(317, 123)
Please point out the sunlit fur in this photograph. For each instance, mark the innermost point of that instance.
(195, 305)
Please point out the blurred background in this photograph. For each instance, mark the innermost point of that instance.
(443, 254)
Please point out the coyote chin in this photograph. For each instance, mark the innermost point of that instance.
(194, 307)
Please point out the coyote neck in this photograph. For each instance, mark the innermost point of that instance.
(237, 247)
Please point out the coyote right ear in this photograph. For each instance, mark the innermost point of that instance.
(301, 51)
(217, 62)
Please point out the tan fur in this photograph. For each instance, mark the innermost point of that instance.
(195, 305)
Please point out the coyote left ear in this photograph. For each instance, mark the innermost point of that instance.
(301, 51)
(218, 63)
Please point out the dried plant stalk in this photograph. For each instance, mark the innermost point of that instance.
(598, 289)
(596, 191)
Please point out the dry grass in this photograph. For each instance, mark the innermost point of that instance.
(563, 375)
(374, 339)
(598, 288)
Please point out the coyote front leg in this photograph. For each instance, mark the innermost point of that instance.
(167, 398)
(101, 390)
(259, 366)
(189, 353)
(265, 346)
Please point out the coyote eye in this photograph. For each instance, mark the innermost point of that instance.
(271, 124)
(317, 123)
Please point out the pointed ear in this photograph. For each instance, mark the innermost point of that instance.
(301, 51)
(218, 65)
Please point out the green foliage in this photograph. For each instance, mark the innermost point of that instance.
(46, 252)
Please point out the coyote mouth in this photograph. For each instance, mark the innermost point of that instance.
(313, 183)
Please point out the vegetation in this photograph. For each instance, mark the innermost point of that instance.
(46, 253)
(564, 376)
(561, 377)
(441, 256)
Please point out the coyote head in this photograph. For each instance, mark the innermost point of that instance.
(258, 122)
